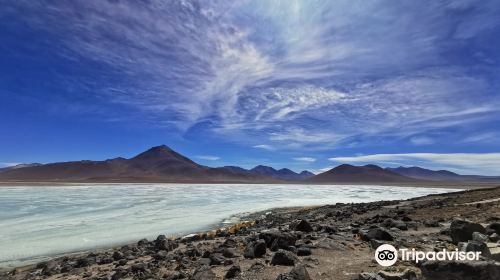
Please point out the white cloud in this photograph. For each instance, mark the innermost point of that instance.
(277, 104)
(471, 163)
(305, 159)
(264, 147)
(206, 157)
(300, 135)
(308, 73)
(395, 108)
(489, 137)
(8, 164)
(421, 140)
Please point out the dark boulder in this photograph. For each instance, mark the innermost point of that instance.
(206, 254)
(192, 252)
(117, 255)
(493, 228)
(494, 237)
(204, 261)
(431, 223)
(105, 260)
(406, 219)
(66, 268)
(233, 272)
(292, 249)
(249, 252)
(301, 225)
(216, 259)
(228, 252)
(277, 240)
(259, 248)
(375, 233)
(160, 256)
(476, 236)
(282, 257)
(162, 243)
(391, 223)
(460, 270)
(139, 267)
(229, 243)
(84, 262)
(48, 268)
(303, 251)
(119, 274)
(174, 275)
(190, 238)
(297, 273)
(374, 243)
(255, 249)
(461, 230)
(328, 229)
(203, 273)
(143, 242)
(476, 246)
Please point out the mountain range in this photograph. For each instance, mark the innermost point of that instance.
(281, 174)
(347, 173)
(158, 164)
(419, 173)
(162, 164)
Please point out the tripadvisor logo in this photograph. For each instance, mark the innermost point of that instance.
(387, 255)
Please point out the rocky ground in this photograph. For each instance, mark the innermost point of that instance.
(329, 242)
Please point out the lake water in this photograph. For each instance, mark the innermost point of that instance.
(36, 222)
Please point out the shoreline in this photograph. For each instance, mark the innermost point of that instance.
(215, 227)
(92, 236)
(212, 229)
(323, 241)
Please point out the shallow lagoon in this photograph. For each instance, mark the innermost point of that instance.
(41, 221)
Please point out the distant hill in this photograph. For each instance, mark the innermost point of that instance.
(236, 169)
(162, 164)
(426, 174)
(347, 173)
(283, 174)
(440, 175)
(158, 164)
(267, 171)
(305, 174)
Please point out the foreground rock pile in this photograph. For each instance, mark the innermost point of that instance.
(329, 242)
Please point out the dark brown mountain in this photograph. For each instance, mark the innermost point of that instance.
(162, 164)
(282, 174)
(440, 175)
(426, 174)
(346, 173)
(158, 164)
(267, 171)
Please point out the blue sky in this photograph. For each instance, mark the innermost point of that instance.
(298, 84)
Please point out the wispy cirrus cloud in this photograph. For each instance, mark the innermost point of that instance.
(483, 138)
(283, 75)
(464, 163)
(8, 164)
(421, 140)
(265, 147)
(207, 157)
(305, 159)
